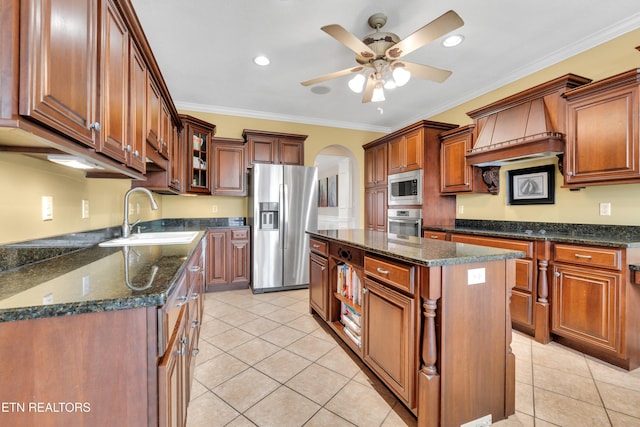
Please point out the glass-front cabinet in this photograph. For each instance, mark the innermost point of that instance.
(198, 135)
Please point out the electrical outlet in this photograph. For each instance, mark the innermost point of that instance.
(48, 298)
(47, 208)
(85, 209)
(461, 209)
(605, 209)
(476, 276)
(214, 208)
(86, 286)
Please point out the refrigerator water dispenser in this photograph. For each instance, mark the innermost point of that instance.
(269, 215)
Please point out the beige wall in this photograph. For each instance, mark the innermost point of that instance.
(26, 179)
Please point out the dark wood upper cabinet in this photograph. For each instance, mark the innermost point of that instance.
(406, 152)
(197, 138)
(229, 167)
(59, 67)
(274, 148)
(137, 109)
(456, 174)
(115, 81)
(603, 139)
(375, 164)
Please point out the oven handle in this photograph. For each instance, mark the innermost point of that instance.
(406, 220)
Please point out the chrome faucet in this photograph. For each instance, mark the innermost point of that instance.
(126, 228)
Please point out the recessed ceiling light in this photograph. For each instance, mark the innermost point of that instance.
(261, 60)
(453, 40)
(320, 90)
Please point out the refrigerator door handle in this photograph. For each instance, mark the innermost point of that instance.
(285, 210)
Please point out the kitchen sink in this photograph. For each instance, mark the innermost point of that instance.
(159, 238)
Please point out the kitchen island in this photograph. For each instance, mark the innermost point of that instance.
(430, 318)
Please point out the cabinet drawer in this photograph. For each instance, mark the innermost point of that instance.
(319, 247)
(436, 235)
(584, 255)
(398, 275)
(239, 234)
(514, 245)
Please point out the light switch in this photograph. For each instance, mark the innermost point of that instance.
(85, 209)
(47, 208)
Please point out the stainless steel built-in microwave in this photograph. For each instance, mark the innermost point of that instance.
(405, 188)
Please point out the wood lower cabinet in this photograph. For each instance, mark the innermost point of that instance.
(228, 258)
(274, 147)
(390, 335)
(523, 295)
(603, 132)
(229, 169)
(319, 277)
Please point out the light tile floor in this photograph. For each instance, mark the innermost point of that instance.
(265, 361)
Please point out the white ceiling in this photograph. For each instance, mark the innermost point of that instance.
(205, 50)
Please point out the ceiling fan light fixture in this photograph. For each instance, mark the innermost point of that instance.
(378, 94)
(356, 84)
(390, 84)
(453, 40)
(401, 76)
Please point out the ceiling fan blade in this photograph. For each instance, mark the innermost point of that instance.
(332, 76)
(434, 29)
(426, 72)
(368, 89)
(349, 40)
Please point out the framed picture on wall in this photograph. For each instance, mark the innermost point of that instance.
(332, 191)
(322, 192)
(531, 186)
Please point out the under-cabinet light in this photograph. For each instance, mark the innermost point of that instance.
(73, 162)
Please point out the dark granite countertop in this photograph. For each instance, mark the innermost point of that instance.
(416, 250)
(71, 274)
(585, 234)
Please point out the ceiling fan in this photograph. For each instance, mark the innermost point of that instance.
(379, 55)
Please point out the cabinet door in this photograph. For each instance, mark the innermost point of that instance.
(217, 266)
(229, 170)
(137, 109)
(586, 306)
(396, 156)
(375, 159)
(240, 258)
(198, 141)
(319, 285)
(390, 339)
(456, 174)
(375, 214)
(165, 130)
(263, 149)
(153, 113)
(178, 161)
(59, 66)
(602, 137)
(291, 152)
(171, 371)
(114, 86)
(413, 144)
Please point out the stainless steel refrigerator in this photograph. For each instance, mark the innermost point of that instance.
(282, 205)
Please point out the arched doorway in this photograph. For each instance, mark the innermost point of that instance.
(338, 165)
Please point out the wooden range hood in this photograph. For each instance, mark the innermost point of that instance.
(530, 124)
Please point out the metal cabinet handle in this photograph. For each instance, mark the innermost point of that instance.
(434, 237)
(195, 351)
(382, 271)
(194, 268)
(364, 290)
(195, 296)
(583, 256)
(95, 126)
(127, 148)
(195, 323)
(556, 274)
(323, 268)
(315, 246)
(136, 153)
(181, 300)
(570, 173)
